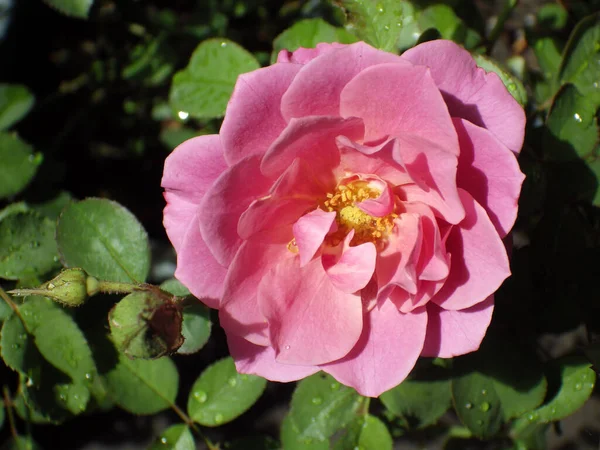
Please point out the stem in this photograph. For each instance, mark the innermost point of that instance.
(190, 423)
(509, 5)
(111, 287)
(12, 305)
(11, 418)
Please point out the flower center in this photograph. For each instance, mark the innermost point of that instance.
(366, 228)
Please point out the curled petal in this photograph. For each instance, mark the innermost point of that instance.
(453, 333)
(382, 205)
(310, 231)
(310, 320)
(470, 92)
(490, 172)
(478, 259)
(385, 353)
(353, 270)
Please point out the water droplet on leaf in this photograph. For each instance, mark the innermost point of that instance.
(200, 396)
(232, 381)
(485, 407)
(577, 118)
(218, 418)
(469, 405)
(317, 400)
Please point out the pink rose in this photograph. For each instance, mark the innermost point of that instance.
(349, 216)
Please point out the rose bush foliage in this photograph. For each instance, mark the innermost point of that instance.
(350, 215)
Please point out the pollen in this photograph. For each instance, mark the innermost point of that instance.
(350, 217)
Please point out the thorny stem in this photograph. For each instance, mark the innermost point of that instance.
(11, 418)
(12, 305)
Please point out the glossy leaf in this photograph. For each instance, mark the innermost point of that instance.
(15, 102)
(308, 33)
(420, 401)
(221, 394)
(576, 380)
(19, 164)
(143, 386)
(477, 403)
(581, 60)
(512, 83)
(203, 88)
(176, 437)
(367, 433)
(53, 207)
(105, 239)
(377, 23)
(291, 437)
(321, 406)
(442, 18)
(73, 8)
(27, 245)
(195, 328)
(572, 122)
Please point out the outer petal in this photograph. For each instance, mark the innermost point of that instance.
(470, 92)
(258, 360)
(253, 119)
(489, 171)
(197, 269)
(316, 89)
(385, 353)
(225, 202)
(310, 321)
(189, 172)
(309, 232)
(453, 333)
(240, 314)
(305, 55)
(479, 263)
(394, 100)
(313, 139)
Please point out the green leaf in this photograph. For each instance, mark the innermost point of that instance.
(104, 239)
(1, 415)
(5, 311)
(308, 33)
(59, 339)
(172, 137)
(143, 386)
(146, 325)
(421, 401)
(572, 125)
(377, 23)
(292, 440)
(203, 88)
(73, 8)
(512, 83)
(175, 287)
(15, 102)
(221, 394)
(53, 207)
(548, 53)
(320, 407)
(477, 403)
(176, 437)
(576, 382)
(442, 18)
(581, 59)
(366, 433)
(553, 16)
(27, 245)
(19, 164)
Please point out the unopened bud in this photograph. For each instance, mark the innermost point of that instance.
(70, 287)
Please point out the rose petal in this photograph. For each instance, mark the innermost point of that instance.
(253, 119)
(385, 353)
(310, 321)
(383, 204)
(177, 216)
(225, 202)
(240, 314)
(197, 269)
(453, 333)
(353, 269)
(310, 231)
(489, 171)
(258, 360)
(316, 89)
(312, 139)
(470, 92)
(478, 259)
(394, 100)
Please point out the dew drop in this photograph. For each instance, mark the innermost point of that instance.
(578, 386)
(483, 392)
(317, 400)
(51, 286)
(287, 347)
(469, 405)
(183, 115)
(16, 346)
(29, 382)
(553, 410)
(232, 381)
(23, 336)
(88, 376)
(200, 396)
(56, 259)
(223, 44)
(218, 418)
(334, 386)
(164, 441)
(485, 407)
(577, 118)
(386, 28)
